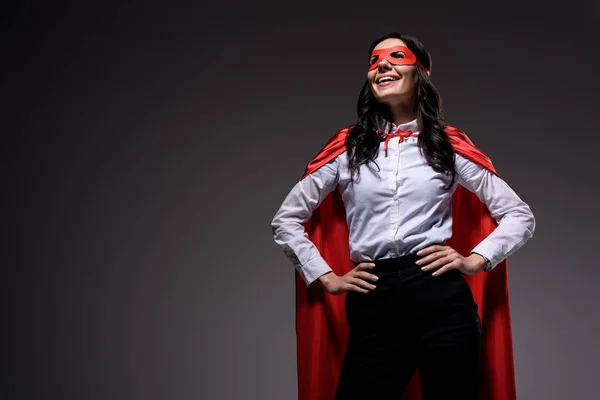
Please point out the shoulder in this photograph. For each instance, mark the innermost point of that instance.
(465, 166)
(334, 147)
(462, 145)
(337, 142)
(343, 133)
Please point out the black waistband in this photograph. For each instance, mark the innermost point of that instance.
(395, 262)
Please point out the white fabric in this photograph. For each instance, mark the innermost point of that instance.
(398, 210)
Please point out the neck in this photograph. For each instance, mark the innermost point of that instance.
(403, 113)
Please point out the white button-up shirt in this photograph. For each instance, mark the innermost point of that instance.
(399, 209)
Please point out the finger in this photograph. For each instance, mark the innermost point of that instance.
(365, 265)
(433, 257)
(363, 284)
(367, 276)
(444, 269)
(430, 249)
(355, 288)
(438, 263)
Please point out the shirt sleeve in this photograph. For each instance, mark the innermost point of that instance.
(516, 223)
(296, 209)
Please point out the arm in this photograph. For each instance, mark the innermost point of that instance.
(297, 208)
(516, 223)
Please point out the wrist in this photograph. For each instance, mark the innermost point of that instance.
(324, 279)
(478, 260)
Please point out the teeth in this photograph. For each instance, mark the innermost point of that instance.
(386, 78)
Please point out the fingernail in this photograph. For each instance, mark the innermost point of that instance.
(376, 278)
(423, 268)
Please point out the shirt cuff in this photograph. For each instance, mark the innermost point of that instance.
(313, 270)
(489, 250)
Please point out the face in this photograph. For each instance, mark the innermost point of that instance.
(401, 89)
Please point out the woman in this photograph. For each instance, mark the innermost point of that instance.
(400, 175)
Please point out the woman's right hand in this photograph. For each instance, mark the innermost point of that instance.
(357, 279)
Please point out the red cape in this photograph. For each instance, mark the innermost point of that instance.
(321, 328)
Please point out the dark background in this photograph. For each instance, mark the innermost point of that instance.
(148, 145)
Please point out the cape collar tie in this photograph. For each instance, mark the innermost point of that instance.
(388, 136)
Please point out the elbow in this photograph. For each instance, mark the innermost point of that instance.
(523, 220)
(279, 229)
(275, 225)
(531, 224)
(528, 221)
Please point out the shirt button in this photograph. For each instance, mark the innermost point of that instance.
(395, 197)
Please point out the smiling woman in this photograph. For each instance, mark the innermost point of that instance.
(423, 216)
(395, 55)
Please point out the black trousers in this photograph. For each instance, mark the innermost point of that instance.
(412, 320)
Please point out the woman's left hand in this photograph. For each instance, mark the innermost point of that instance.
(446, 258)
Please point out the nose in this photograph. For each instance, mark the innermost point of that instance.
(384, 65)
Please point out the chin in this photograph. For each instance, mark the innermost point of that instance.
(392, 98)
(384, 94)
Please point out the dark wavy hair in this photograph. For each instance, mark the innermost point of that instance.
(362, 142)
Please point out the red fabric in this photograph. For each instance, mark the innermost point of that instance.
(386, 54)
(321, 328)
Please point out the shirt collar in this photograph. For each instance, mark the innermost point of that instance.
(408, 126)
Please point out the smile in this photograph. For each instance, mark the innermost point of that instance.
(386, 79)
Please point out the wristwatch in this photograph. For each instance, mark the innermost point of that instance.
(488, 263)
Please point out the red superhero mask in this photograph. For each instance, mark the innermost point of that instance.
(397, 55)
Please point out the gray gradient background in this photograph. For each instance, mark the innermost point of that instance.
(148, 146)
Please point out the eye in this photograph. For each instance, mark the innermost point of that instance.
(373, 59)
(398, 54)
